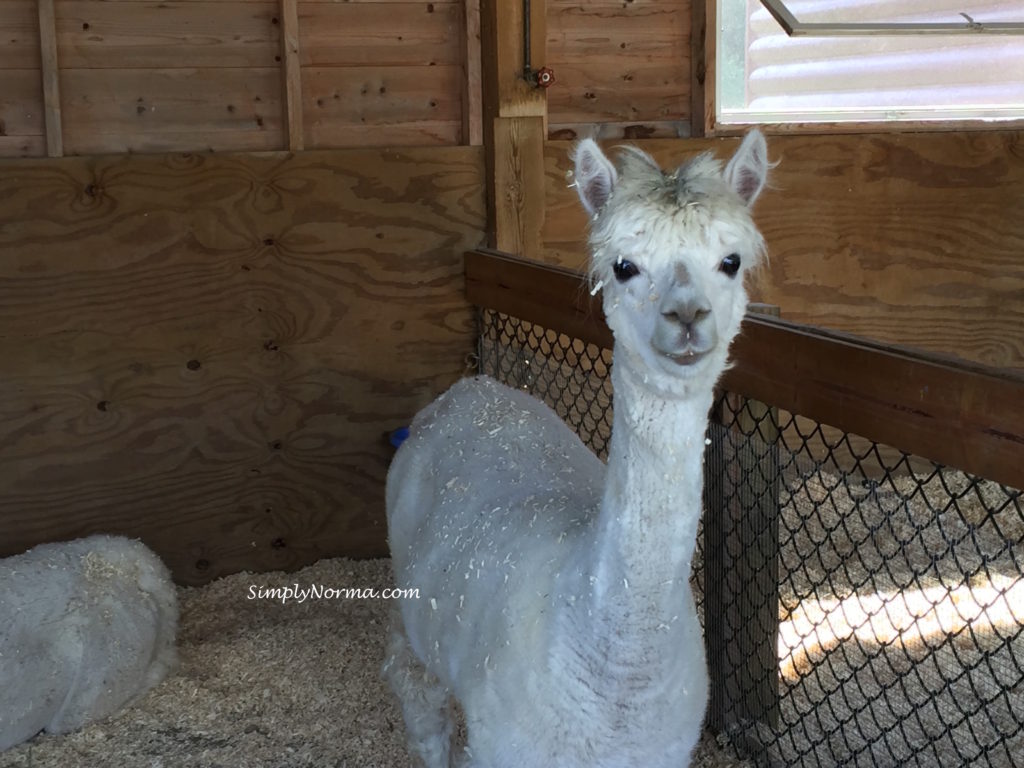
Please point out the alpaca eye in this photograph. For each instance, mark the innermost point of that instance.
(624, 270)
(730, 265)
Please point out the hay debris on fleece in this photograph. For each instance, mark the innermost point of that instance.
(264, 684)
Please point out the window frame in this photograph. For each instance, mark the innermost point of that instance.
(705, 105)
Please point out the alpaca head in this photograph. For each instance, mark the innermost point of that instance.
(669, 251)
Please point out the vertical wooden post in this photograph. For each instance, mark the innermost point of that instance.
(472, 106)
(741, 562)
(51, 78)
(514, 124)
(709, 52)
(698, 64)
(292, 74)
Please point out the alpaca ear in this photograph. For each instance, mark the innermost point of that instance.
(595, 175)
(748, 168)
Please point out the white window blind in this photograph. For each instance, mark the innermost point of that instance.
(764, 76)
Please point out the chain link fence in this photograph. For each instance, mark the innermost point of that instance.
(862, 607)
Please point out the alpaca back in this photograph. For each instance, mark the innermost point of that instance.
(484, 464)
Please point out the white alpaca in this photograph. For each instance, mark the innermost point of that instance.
(555, 604)
(85, 627)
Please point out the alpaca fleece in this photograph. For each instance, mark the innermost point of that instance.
(555, 605)
(88, 625)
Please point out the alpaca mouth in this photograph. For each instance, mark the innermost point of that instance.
(686, 357)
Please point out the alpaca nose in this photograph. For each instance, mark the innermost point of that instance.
(687, 311)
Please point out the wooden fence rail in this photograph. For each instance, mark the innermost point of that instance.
(958, 414)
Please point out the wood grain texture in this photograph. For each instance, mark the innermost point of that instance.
(346, 106)
(472, 102)
(21, 113)
(699, 56)
(152, 34)
(606, 92)
(506, 92)
(629, 131)
(518, 184)
(50, 72)
(205, 351)
(913, 239)
(710, 64)
(291, 52)
(617, 61)
(19, 42)
(159, 110)
(422, 34)
(215, 75)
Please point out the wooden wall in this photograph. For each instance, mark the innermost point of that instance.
(382, 73)
(22, 130)
(623, 65)
(916, 239)
(201, 75)
(206, 350)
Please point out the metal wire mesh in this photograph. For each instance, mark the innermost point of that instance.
(862, 607)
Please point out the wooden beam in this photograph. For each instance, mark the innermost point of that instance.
(472, 105)
(698, 64)
(292, 74)
(958, 414)
(50, 69)
(710, 68)
(553, 297)
(515, 124)
(518, 184)
(507, 93)
(955, 413)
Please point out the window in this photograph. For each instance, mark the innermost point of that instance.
(765, 76)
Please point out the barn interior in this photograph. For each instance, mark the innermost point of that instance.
(232, 241)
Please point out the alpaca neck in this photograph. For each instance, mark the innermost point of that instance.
(652, 501)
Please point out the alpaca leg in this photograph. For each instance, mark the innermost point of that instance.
(426, 703)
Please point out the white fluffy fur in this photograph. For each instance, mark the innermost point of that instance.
(555, 604)
(86, 626)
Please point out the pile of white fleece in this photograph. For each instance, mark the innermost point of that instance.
(85, 627)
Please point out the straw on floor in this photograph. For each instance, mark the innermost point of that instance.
(264, 684)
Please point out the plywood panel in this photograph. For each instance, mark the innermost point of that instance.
(146, 34)
(617, 61)
(385, 34)
(359, 105)
(914, 239)
(149, 110)
(205, 351)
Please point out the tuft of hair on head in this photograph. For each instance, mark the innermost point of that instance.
(698, 177)
(635, 163)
